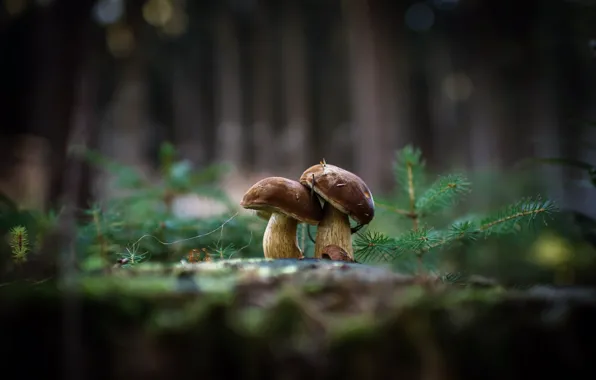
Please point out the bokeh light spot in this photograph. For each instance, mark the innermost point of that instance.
(15, 7)
(592, 45)
(551, 250)
(457, 86)
(177, 25)
(120, 40)
(108, 12)
(157, 12)
(446, 4)
(419, 17)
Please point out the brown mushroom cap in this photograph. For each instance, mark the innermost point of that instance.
(344, 190)
(278, 194)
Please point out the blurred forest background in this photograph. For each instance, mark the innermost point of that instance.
(274, 86)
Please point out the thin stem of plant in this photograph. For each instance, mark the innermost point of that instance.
(303, 238)
(397, 210)
(487, 226)
(414, 215)
(102, 241)
(520, 214)
(412, 194)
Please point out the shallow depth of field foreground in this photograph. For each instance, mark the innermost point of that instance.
(338, 189)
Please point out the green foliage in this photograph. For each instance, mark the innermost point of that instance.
(177, 178)
(21, 231)
(418, 201)
(140, 223)
(19, 243)
(305, 242)
(132, 256)
(408, 168)
(442, 194)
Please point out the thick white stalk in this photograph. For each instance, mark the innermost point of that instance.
(334, 229)
(279, 240)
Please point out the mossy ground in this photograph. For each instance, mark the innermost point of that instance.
(290, 319)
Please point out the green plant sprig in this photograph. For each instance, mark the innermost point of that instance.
(441, 195)
(19, 243)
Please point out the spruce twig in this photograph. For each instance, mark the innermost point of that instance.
(409, 168)
(395, 210)
(19, 244)
(412, 195)
(445, 192)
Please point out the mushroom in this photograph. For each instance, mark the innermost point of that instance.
(265, 215)
(335, 253)
(289, 203)
(345, 195)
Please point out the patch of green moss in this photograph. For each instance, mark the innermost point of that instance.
(149, 285)
(261, 323)
(287, 310)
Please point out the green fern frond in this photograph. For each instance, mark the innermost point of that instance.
(19, 243)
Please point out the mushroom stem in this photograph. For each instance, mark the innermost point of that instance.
(334, 229)
(279, 240)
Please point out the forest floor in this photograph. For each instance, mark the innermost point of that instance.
(295, 319)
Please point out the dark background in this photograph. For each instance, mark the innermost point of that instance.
(275, 86)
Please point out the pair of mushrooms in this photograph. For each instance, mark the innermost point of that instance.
(287, 202)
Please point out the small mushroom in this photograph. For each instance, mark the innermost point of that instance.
(335, 253)
(289, 203)
(345, 195)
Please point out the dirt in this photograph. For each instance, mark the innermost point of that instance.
(293, 319)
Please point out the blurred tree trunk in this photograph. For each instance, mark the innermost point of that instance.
(557, 93)
(365, 102)
(86, 119)
(56, 103)
(127, 138)
(394, 94)
(188, 119)
(263, 145)
(486, 117)
(445, 111)
(44, 46)
(48, 102)
(420, 46)
(296, 134)
(330, 88)
(228, 93)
